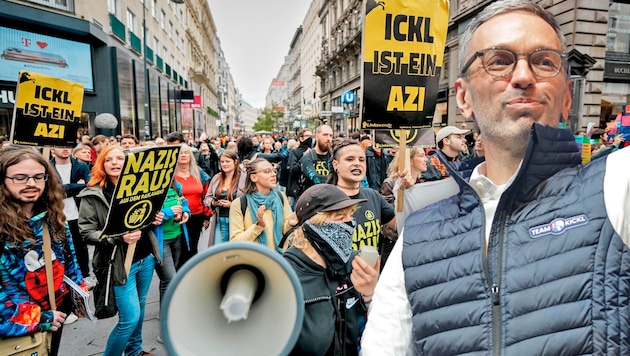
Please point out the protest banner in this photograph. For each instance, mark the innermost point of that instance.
(415, 138)
(141, 189)
(140, 192)
(47, 111)
(403, 53)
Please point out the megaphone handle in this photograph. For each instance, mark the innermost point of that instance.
(131, 249)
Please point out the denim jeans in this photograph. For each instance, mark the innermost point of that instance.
(130, 300)
(222, 230)
(166, 272)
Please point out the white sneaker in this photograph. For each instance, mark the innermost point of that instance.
(159, 338)
(71, 318)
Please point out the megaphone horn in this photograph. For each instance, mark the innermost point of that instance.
(237, 298)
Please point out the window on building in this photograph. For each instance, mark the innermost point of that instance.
(114, 7)
(618, 28)
(156, 45)
(154, 9)
(163, 19)
(170, 29)
(131, 21)
(164, 52)
(177, 38)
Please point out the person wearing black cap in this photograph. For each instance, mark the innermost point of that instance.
(337, 284)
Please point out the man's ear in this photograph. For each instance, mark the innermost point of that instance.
(463, 97)
(567, 100)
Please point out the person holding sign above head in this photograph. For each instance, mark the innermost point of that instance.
(532, 256)
(31, 196)
(130, 291)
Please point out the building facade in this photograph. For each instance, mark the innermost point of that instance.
(109, 46)
(597, 34)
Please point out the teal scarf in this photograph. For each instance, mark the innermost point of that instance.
(273, 202)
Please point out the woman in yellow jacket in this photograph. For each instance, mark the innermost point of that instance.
(262, 214)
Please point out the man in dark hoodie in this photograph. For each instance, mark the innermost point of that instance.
(294, 189)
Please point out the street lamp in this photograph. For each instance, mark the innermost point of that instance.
(147, 118)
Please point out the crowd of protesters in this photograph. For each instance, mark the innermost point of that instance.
(262, 189)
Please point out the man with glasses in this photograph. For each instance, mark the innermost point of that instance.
(532, 256)
(32, 200)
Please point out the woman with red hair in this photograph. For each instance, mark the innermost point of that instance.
(130, 291)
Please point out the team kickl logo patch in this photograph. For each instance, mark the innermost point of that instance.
(558, 226)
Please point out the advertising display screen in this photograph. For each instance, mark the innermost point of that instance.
(55, 57)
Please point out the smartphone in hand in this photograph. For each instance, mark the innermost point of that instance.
(369, 254)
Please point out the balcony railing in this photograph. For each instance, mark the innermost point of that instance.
(118, 28)
(136, 43)
(159, 63)
(63, 5)
(149, 53)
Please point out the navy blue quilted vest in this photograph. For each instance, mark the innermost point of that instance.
(555, 279)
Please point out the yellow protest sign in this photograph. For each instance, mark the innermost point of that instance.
(142, 186)
(403, 53)
(47, 111)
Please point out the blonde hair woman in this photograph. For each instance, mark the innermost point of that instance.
(417, 165)
(194, 182)
(337, 284)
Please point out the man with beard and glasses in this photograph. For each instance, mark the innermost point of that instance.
(316, 163)
(531, 257)
(31, 196)
(337, 284)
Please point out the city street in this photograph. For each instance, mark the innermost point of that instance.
(87, 338)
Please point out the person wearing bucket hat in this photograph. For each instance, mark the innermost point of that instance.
(337, 284)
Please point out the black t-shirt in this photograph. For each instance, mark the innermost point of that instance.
(371, 214)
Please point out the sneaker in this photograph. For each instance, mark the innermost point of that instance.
(90, 282)
(159, 338)
(144, 353)
(71, 318)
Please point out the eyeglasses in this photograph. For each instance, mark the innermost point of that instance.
(501, 62)
(268, 171)
(22, 178)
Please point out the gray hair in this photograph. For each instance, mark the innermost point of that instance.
(500, 8)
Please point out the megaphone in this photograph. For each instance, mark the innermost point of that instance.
(237, 298)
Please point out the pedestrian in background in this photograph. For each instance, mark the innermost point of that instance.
(225, 187)
(194, 182)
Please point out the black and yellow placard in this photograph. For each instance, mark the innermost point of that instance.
(141, 189)
(403, 52)
(47, 111)
(415, 138)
